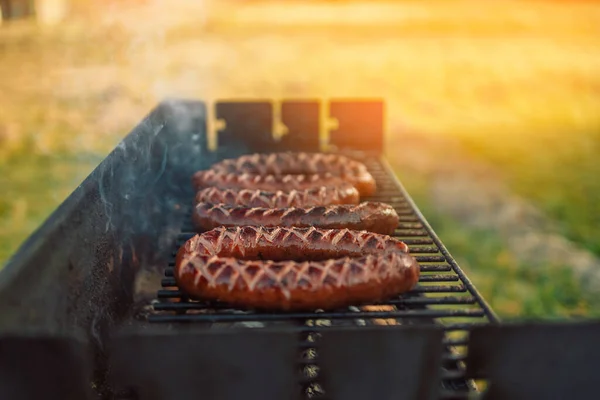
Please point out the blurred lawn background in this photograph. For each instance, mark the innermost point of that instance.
(516, 83)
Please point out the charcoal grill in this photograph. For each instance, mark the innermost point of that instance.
(89, 306)
(444, 295)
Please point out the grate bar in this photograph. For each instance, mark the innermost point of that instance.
(439, 289)
(438, 278)
(421, 250)
(409, 225)
(414, 241)
(166, 293)
(430, 258)
(435, 268)
(404, 211)
(410, 232)
(448, 300)
(408, 218)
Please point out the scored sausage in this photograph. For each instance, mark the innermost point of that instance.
(270, 183)
(294, 268)
(291, 163)
(344, 194)
(300, 164)
(369, 216)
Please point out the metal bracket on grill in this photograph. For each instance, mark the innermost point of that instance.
(303, 123)
(381, 363)
(216, 364)
(249, 126)
(44, 367)
(360, 125)
(542, 361)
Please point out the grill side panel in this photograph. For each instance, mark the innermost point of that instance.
(79, 273)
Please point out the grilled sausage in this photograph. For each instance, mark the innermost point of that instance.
(344, 194)
(291, 163)
(369, 216)
(300, 164)
(294, 268)
(270, 183)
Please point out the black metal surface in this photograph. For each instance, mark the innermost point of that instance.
(248, 126)
(543, 361)
(219, 365)
(44, 367)
(76, 274)
(357, 366)
(302, 120)
(76, 271)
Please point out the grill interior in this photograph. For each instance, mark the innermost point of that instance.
(444, 296)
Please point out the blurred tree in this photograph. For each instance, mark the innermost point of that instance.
(45, 11)
(14, 9)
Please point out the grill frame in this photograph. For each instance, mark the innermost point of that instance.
(72, 314)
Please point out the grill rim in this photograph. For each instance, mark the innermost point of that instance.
(492, 316)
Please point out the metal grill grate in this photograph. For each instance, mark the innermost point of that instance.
(444, 296)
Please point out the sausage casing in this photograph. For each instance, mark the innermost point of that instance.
(369, 216)
(292, 163)
(344, 194)
(270, 183)
(294, 268)
(309, 167)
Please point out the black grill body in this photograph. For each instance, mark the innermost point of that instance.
(92, 292)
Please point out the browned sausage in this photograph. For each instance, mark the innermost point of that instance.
(300, 164)
(369, 216)
(344, 194)
(291, 163)
(294, 268)
(270, 183)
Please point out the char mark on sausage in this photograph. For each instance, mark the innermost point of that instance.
(369, 216)
(343, 194)
(270, 183)
(287, 171)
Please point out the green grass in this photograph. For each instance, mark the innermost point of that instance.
(560, 173)
(514, 290)
(32, 188)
